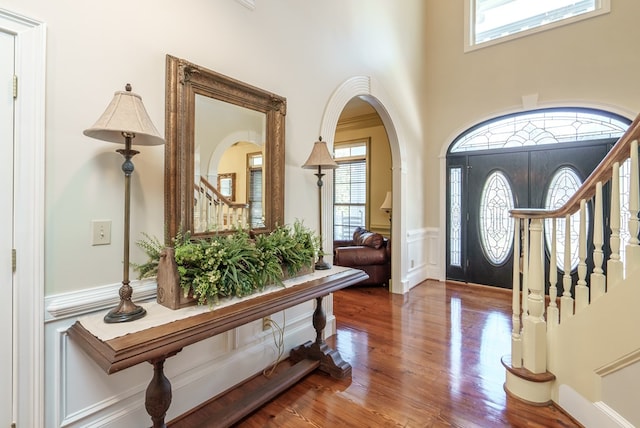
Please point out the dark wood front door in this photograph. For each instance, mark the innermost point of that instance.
(526, 175)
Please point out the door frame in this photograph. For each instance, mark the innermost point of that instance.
(29, 162)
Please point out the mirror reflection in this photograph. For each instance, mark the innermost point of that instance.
(228, 154)
(227, 185)
(224, 156)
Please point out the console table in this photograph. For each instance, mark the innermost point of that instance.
(164, 332)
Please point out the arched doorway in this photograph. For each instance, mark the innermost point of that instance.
(361, 86)
(534, 159)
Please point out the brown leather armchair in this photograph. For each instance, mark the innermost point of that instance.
(368, 251)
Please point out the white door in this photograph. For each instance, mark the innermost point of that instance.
(6, 228)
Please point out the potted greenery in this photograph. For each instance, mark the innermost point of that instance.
(235, 265)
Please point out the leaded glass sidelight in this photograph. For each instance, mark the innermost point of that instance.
(455, 216)
(496, 226)
(564, 183)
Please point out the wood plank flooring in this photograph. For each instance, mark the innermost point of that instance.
(430, 358)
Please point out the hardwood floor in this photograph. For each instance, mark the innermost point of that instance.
(430, 358)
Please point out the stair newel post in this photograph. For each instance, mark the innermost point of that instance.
(552, 311)
(597, 276)
(516, 339)
(632, 253)
(614, 264)
(582, 291)
(535, 327)
(566, 301)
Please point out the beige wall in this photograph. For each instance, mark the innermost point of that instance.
(234, 160)
(301, 50)
(589, 63)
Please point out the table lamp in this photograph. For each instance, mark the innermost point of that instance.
(318, 159)
(124, 121)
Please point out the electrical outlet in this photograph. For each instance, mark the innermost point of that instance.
(266, 323)
(101, 232)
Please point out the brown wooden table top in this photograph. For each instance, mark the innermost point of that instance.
(166, 339)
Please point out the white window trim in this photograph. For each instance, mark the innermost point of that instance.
(602, 7)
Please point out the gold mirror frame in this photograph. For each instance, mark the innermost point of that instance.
(183, 81)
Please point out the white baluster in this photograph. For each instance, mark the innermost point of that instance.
(516, 338)
(597, 285)
(525, 266)
(566, 301)
(614, 264)
(535, 327)
(582, 291)
(220, 216)
(552, 313)
(632, 253)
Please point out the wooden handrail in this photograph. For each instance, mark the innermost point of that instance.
(619, 153)
(220, 196)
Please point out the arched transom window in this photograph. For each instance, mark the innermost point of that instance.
(539, 127)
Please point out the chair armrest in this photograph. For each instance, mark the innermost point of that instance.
(360, 256)
(337, 243)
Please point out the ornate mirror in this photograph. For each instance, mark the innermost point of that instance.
(221, 135)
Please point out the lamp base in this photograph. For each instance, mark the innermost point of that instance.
(322, 265)
(124, 312)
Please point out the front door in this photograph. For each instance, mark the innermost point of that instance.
(6, 228)
(491, 184)
(495, 180)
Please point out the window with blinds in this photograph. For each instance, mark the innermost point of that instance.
(256, 217)
(349, 188)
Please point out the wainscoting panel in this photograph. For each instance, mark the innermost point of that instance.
(423, 255)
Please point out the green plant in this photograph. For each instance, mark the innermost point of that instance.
(235, 264)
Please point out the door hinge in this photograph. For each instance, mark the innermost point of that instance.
(13, 425)
(15, 86)
(13, 260)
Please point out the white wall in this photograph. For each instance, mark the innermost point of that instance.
(94, 49)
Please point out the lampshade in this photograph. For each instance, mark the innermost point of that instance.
(125, 114)
(320, 157)
(386, 205)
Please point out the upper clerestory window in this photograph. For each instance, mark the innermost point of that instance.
(488, 22)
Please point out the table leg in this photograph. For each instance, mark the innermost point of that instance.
(330, 360)
(158, 395)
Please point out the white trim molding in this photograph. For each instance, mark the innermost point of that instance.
(82, 302)
(423, 255)
(29, 178)
(372, 92)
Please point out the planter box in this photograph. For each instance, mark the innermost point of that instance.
(170, 293)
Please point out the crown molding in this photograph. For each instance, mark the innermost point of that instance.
(249, 4)
(363, 121)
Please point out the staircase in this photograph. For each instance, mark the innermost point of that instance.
(579, 346)
(212, 211)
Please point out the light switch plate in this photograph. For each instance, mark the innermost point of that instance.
(101, 232)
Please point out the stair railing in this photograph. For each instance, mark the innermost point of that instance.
(530, 327)
(215, 212)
